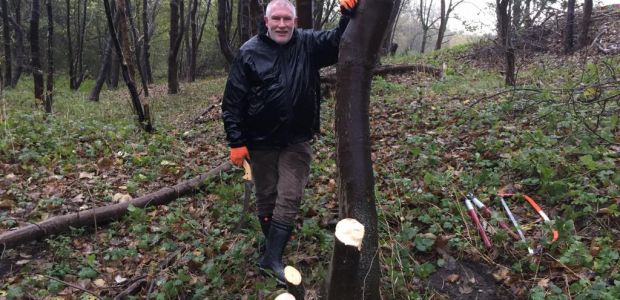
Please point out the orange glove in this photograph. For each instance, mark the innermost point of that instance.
(238, 154)
(347, 7)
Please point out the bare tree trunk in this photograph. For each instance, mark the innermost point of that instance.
(49, 99)
(138, 49)
(143, 116)
(115, 66)
(223, 14)
(304, 13)
(359, 49)
(569, 29)
(146, 42)
(386, 45)
(81, 37)
(123, 32)
(72, 75)
(6, 34)
(20, 50)
(503, 27)
(35, 55)
(424, 15)
(584, 40)
(106, 61)
(194, 42)
(342, 280)
(517, 15)
(176, 37)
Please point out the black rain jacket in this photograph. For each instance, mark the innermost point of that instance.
(272, 96)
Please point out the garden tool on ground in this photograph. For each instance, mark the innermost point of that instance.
(538, 210)
(486, 212)
(515, 223)
(474, 218)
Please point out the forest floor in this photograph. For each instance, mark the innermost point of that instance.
(555, 137)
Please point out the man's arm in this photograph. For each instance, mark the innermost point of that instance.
(234, 104)
(326, 43)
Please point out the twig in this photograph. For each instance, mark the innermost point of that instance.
(130, 289)
(73, 286)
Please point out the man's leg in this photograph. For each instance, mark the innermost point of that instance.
(293, 170)
(264, 164)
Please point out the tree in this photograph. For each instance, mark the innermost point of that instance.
(176, 37)
(35, 59)
(569, 27)
(503, 33)
(141, 111)
(443, 20)
(359, 48)
(76, 66)
(49, 86)
(324, 12)
(6, 34)
(304, 13)
(224, 13)
(19, 50)
(585, 24)
(388, 39)
(427, 21)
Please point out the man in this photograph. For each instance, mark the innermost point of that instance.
(271, 112)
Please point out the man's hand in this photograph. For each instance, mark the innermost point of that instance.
(238, 154)
(347, 7)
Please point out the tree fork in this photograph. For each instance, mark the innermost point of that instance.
(92, 216)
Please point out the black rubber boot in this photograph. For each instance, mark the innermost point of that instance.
(265, 223)
(271, 262)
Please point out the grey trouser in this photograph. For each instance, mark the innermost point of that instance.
(279, 178)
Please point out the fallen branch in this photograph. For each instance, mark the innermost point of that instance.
(131, 289)
(89, 217)
(73, 286)
(330, 78)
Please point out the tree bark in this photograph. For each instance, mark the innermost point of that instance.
(584, 40)
(176, 37)
(359, 48)
(81, 38)
(569, 29)
(143, 116)
(70, 59)
(341, 283)
(138, 49)
(106, 63)
(49, 99)
(123, 34)
(6, 34)
(304, 14)
(114, 69)
(193, 53)
(146, 42)
(223, 16)
(424, 15)
(20, 49)
(389, 33)
(35, 55)
(503, 28)
(59, 224)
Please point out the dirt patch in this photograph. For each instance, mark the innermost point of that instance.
(464, 280)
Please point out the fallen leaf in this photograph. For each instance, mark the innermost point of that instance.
(86, 175)
(22, 262)
(453, 278)
(119, 279)
(10, 177)
(501, 274)
(78, 199)
(6, 204)
(99, 282)
(543, 283)
(118, 197)
(104, 163)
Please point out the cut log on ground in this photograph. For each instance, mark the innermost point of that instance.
(293, 282)
(343, 269)
(89, 217)
(330, 77)
(285, 296)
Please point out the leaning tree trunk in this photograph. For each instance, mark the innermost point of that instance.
(359, 49)
(176, 37)
(50, 59)
(6, 34)
(569, 29)
(37, 72)
(585, 24)
(223, 14)
(304, 14)
(143, 116)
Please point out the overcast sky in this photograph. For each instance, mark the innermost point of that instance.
(478, 13)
